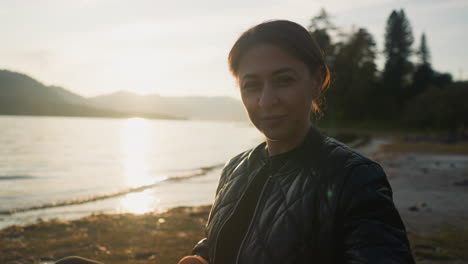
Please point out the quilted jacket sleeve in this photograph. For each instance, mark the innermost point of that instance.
(372, 227)
(202, 249)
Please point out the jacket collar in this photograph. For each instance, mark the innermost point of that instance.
(308, 151)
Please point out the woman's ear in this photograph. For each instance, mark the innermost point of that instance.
(316, 85)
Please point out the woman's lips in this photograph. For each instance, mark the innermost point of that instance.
(273, 120)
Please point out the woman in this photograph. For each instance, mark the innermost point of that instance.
(300, 197)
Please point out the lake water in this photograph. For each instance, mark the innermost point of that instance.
(61, 167)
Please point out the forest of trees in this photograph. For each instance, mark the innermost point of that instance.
(407, 92)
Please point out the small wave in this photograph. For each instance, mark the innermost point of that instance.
(199, 172)
(16, 177)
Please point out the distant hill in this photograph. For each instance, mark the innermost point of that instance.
(18, 85)
(23, 95)
(191, 107)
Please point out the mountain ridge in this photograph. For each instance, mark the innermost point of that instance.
(21, 94)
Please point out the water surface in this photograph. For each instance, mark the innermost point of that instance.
(61, 167)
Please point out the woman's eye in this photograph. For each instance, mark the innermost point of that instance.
(284, 80)
(252, 85)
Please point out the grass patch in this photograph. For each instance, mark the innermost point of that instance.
(450, 244)
(392, 129)
(119, 239)
(461, 148)
(379, 129)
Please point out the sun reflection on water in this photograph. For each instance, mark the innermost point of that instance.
(138, 203)
(135, 141)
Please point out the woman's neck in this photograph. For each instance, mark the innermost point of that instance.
(279, 146)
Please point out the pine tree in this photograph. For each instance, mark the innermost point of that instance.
(355, 78)
(397, 74)
(423, 52)
(424, 75)
(320, 28)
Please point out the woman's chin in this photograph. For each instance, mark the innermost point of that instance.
(285, 133)
(275, 134)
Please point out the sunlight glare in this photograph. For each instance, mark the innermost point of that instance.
(135, 141)
(138, 203)
(135, 137)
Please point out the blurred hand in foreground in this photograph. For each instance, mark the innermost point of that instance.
(193, 260)
(76, 260)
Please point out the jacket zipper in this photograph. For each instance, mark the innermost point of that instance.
(253, 219)
(235, 207)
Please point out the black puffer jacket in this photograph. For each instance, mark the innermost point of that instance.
(327, 204)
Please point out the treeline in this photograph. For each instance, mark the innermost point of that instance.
(405, 93)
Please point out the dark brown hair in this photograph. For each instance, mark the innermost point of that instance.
(292, 38)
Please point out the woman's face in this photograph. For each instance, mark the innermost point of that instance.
(277, 91)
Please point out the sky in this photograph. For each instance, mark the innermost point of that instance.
(180, 47)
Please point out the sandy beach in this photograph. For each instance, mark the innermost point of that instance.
(430, 191)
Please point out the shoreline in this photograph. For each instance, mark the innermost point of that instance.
(202, 171)
(426, 193)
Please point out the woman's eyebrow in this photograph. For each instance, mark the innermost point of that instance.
(283, 70)
(276, 72)
(249, 76)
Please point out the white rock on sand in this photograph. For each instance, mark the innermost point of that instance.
(428, 188)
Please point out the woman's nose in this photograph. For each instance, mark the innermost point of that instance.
(268, 96)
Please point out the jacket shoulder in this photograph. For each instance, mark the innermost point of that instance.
(337, 164)
(237, 161)
(341, 155)
(352, 169)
